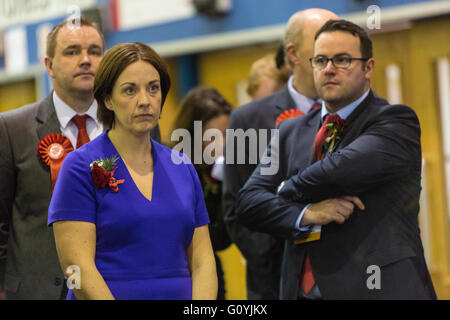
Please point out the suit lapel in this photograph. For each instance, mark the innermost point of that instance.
(354, 116)
(313, 125)
(284, 100)
(304, 140)
(47, 121)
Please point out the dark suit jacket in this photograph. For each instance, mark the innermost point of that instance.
(262, 251)
(379, 160)
(29, 266)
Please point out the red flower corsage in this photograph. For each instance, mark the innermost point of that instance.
(291, 113)
(52, 150)
(102, 173)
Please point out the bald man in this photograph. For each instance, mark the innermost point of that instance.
(262, 251)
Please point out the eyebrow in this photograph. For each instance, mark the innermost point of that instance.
(73, 46)
(77, 46)
(95, 46)
(133, 84)
(337, 54)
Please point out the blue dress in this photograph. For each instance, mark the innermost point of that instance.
(141, 244)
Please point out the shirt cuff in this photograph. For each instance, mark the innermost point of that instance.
(299, 219)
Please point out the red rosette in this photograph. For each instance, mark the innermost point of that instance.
(52, 150)
(288, 114)
(100, 177)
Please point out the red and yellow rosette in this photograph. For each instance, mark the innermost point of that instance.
(291, 113)
(52, 150)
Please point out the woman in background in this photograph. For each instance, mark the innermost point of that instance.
(134, 222)
(207, 105)
(268, 75)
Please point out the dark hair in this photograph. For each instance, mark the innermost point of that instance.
(354, 29)
(51, 37)
(114, 63)
(202, 103)
(280, 57)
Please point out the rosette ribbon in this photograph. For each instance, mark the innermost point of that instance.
(288, 114)
(52, 150)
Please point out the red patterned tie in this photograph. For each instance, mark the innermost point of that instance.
(307, 277)
(83, 137)
(322, 135)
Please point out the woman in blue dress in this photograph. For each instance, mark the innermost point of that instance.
(128, 214)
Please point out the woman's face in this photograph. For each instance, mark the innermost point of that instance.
(220, 123)
(136, 98)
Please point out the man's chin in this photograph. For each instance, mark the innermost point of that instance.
(85, 87)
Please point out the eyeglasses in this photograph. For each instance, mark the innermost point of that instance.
(340, 61)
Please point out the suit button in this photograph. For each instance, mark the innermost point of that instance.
(58, 281)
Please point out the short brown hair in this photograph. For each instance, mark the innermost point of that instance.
(51, 37)
(114, 63)
(354, 29)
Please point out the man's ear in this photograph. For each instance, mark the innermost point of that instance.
(369, 68)
(291, 53)
(49, 65)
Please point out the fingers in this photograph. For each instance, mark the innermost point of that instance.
(344, 207)
(342, 212)
(332, 210)
(355, 200)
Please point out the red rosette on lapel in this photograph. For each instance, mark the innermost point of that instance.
(52, 150)
(291, 113)
(100, 177)
(102, 171)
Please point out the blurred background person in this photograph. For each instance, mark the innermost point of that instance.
(266, 77)
(207, 105)
(132, 220)
(263, 252)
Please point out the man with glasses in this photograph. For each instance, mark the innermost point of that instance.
(263, 252)
(357, 191)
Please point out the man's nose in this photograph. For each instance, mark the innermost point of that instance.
(85, 59)
(329, 68)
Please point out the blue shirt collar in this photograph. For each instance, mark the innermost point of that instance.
(347, 110)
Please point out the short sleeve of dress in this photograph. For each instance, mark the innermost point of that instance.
(201, 214)
(74, 194)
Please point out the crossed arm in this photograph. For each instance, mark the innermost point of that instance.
(388, 149)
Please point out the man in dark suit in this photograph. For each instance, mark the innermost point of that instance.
(362, 186)
(29, 266)
(263, 252)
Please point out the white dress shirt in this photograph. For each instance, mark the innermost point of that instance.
(302, 103)
(65, 114)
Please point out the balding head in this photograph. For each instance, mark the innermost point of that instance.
(303, 25)
(299, 43)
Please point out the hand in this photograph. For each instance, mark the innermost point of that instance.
(331, 210)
